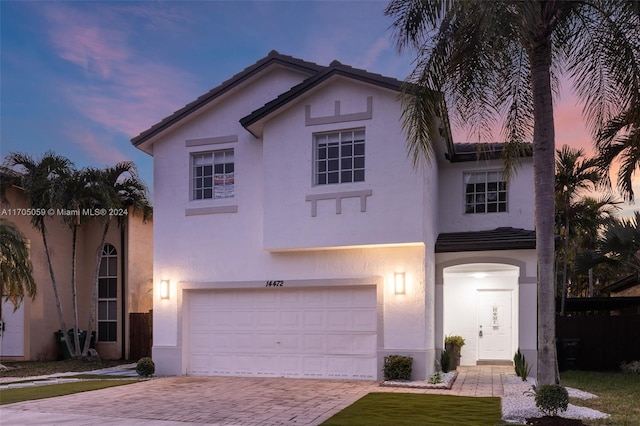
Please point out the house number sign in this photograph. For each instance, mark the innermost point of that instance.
(278, 283)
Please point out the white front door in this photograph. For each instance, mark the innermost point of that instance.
(12, 330)
(494, 324)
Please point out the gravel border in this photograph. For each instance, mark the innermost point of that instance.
(447, 382)
(518, 404)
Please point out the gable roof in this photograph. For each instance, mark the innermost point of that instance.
(335, 68)
(504, 238)
(272, 58)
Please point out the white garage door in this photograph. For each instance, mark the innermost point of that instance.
(280, 332)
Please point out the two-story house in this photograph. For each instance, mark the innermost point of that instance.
(293, 237)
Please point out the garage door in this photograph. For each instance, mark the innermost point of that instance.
(280, 332)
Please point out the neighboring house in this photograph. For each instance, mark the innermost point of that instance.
(628, 286)
(294, 238)
(125, 284)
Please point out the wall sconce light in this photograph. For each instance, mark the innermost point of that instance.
(164, 289)
(398, 282)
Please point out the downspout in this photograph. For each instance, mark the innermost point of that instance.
(123, 302)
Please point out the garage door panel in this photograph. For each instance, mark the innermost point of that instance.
(314, 319)
(290, 320)
(312, 332)
(266, 320)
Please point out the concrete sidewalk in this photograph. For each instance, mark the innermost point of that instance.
(127, 370)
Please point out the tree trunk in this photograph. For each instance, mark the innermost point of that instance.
(74, 295)
(543, 172)
(94, 293)
(63, 325)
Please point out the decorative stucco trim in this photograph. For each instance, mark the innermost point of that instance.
(337, 117)
(210, 210)
(523, 278)
(211, 141)
(330, 282)
(338, 196)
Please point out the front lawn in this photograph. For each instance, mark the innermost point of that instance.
(10, 396)
(618, 395)
(419, 409)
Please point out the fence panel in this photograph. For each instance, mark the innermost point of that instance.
(601, 342)
(140, 335)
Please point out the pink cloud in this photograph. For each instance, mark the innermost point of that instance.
(122, 90)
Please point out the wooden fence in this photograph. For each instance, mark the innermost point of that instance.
(140, 335)
(589, 342)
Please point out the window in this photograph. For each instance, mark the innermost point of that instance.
(108, 295)
(485, 192)
(339, 157)
(213, 175)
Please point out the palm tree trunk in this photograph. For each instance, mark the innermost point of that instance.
(63, 325)
(543, 172)
(74, 295)
(94, 293)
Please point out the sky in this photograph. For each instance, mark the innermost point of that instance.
(82, 78)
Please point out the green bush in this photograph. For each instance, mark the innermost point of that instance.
(445, 361)
(632, 367)
(454, 340)
(435, 379)
(521, 365)
(397, 367)
(145, 367)
(552, 398)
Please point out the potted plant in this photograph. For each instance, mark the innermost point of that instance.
(453, 345)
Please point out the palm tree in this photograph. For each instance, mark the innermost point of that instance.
(75, 193)
(488, 60)
(16, 270)
(619, 142)
(115, 188)
(38, 178)
(618, 246)
(574, 176)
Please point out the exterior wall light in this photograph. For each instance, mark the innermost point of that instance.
(164, 289)
(398, 282)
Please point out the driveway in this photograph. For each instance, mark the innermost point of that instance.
(196, 400)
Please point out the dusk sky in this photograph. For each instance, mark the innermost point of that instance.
(83, 78)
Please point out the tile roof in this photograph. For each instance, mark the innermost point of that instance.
(272, 58)
(504, 238)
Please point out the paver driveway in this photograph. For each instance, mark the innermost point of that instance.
(196, 400)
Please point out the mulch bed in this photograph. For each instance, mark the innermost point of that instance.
(554, 421)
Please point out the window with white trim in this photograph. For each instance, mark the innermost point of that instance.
(485, 192)
(108, 295)
(212, 175)
(339, 157)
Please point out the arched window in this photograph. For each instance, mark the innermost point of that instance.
(108, 295)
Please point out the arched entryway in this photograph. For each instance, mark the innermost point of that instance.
(481, 303)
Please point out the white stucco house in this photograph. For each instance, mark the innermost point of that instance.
(293, 237)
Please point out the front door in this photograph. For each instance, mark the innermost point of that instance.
(494, 324)
(12, 330)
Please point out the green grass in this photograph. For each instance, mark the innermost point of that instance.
(419, 409)
(618, 395)
(10, 396)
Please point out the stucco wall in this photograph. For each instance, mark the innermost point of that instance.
(451, 201)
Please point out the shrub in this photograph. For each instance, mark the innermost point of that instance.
(445, 361)
(552, 398)
(397, 367)
(454, 340)
(435, 379)
(145, 367)
(521, 365)
(632, 367)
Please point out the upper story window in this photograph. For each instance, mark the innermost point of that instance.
(339, 157)
(485, 192)
(212, 175)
